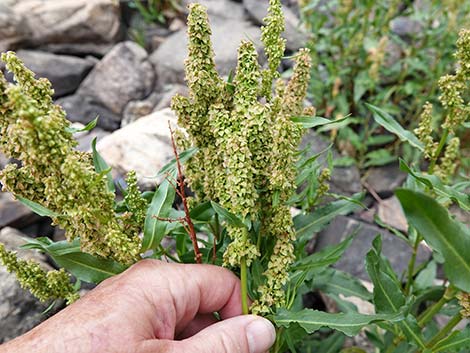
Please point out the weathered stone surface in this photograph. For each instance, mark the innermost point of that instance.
(83, 109)
(296, 38)
(391, 213)
(77, 21)
(169, 92)
(143, 146)
(405, 26)
(19, 310)
(344, 180)
(78, 49)
(353, 260)
(85, 138)
(222, 8)
(65, 72)
(137, 109)
(168, 59)
(123, 75)
(13, 28)
(385, 180)
(13, 213)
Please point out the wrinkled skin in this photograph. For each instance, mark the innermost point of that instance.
(154, 307)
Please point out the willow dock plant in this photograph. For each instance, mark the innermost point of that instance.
(239, 139)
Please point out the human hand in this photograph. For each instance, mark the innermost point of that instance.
(154, 307)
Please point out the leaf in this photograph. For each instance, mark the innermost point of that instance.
(308, 122)
(37, 208)
(425, 278)
(101, 166)
(306, 225)
(339, 282)
(154, 228)
(457, 341)
(349, 323)
(88, 268)
(445, 235)
(434, 183)
(229, 217)
(171, 167)
(88, 127)
(379, 158)
(389, 123)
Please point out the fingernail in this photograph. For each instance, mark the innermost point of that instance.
(261, 335)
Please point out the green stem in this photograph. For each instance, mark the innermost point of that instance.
(434, 309)
(277, 345)
(445, 330)
(411, 265)
(440, 147)
(244, 285)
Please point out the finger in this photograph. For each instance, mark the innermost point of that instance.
(179, 292)
(242, 334)
(199, 323)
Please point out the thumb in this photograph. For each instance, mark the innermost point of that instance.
(241, 334)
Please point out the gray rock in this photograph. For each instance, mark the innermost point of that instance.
(222, 8)
(13, 28)
(296, 38)
(123, 75)
(78, 21)
(353, 260)
(169, 58)
(405, 26)
(13, 213)
(78, 49)
(344, 180)
(83, 109)
(385, 180)
(143, 146)
(85, 138)
(19, 310)
(137, 109)
(391, 213)
(167, 95)
(65, 72)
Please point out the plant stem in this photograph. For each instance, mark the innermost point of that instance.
(168, 255)
(442, 142)
(244, 286)
(277, 344)
(434, 309)
(411, 265)
(445, 330)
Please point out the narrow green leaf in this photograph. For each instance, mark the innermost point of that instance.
(88, 268)
(229, 217)
(37, 208)
(449, 237)
(101, 166)
(308, 122)
(307, 225)
(349, 323)
(171, 167)
(88, 127)
(154, 228)
(339, 282)
(389, 123)
(457, 341)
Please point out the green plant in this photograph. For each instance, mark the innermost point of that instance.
(240, 157)
(357, 58)
(157, 10)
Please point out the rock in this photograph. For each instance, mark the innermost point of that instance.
(137, 109)
(344, 180)
(295, 37)
(391, 213)
(222, 8)
(78, 49)
(83, 109)
(353, 260)
(167, 95)
(13, 28)
(4, 160)
(405, 26)
(169, 58)
(85, 138)
(19, 310)
(79, 21)
(13, 213)
(65, 72)
(123, 75)
(385, 180)
(143, 146)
